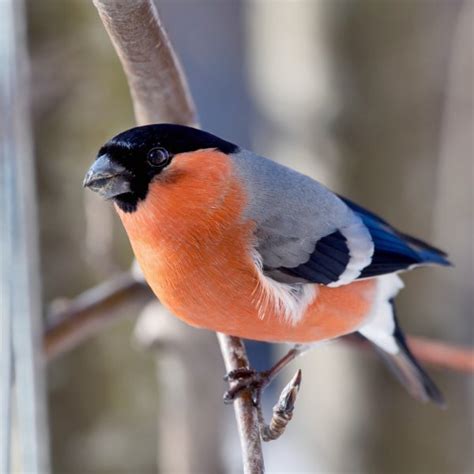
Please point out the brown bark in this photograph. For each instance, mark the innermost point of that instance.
(160, 94)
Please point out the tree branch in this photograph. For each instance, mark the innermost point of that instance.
(432, 352)
(90, 312)
(70, 323)
(246, 414)
(282, 411)
(443, 355)
(160, 94)
(157, 85)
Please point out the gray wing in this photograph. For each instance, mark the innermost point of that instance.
(304, 231)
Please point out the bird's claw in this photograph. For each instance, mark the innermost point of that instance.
(246, 379)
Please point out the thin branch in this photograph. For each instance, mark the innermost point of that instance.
(160, 94)
(157, 85)
(70, 323)
(282, 411)
(432, 352)
(95, 309)
(440, 354)
(235, 357)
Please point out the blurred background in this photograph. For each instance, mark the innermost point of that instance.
(375, 99)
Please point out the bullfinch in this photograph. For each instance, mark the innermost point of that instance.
(236, 243)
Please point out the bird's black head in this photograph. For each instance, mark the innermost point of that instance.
(126, 164)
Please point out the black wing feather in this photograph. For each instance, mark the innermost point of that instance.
(327, 263)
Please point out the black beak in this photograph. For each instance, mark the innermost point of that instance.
(107, 178)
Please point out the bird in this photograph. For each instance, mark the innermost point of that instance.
(236, 243)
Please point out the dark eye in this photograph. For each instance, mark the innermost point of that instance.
(158, 157)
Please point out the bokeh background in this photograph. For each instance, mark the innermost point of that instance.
(375, 99)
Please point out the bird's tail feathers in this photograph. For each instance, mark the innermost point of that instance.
(402, 363)
(427, 253)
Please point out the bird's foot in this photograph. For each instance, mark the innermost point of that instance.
(247, 379)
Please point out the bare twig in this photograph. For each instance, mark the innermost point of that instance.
(282, 411)
(96, 308)
(235, 357)
(70, 323)
(160, 94)
(157, 85)
(432, 352)
(440, 354)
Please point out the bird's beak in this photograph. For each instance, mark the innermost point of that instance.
(107, 178)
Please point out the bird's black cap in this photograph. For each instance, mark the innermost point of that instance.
(175, 138)
(127, 163)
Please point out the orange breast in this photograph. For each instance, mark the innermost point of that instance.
(193, 246)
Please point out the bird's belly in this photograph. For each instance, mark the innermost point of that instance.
(225, 298)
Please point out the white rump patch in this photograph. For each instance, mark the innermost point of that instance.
(289, 300)
(381, 324)
(361, 249)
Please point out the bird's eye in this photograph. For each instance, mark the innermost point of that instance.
(158, 157)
